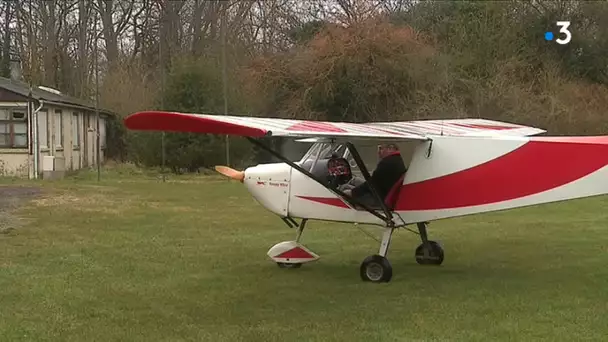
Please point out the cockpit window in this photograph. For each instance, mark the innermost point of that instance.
(340, 150)
(318, 154)
(326, 151)
(351, 161)
(320, 151)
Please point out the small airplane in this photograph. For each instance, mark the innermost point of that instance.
(455, 167)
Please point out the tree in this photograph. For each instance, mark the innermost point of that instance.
(370, 71)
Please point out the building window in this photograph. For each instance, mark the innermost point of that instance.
(75, 130)
(13, 128)
(43, 129)
(58, 128)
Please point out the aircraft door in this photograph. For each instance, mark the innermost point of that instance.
(308, 198)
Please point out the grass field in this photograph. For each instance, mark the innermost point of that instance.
(135, 259)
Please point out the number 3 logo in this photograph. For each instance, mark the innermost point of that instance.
(564, 29)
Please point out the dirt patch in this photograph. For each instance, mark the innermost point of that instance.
(10, 198)
(100, 201)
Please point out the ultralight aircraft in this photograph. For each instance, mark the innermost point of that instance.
(455, 167)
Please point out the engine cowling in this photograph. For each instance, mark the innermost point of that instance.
(269, 184)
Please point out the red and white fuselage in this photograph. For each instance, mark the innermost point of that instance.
(454, 176)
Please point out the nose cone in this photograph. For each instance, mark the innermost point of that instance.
(231, 173)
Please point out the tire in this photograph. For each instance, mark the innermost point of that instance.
(376, 269)
(436, 254)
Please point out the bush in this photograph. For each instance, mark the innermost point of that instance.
(192, 86)
(371, 71)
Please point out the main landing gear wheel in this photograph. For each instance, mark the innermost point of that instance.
(431, 255)
(376, 268)
(429, 252)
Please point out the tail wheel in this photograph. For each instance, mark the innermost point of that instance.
(433, 256)
(376, 268)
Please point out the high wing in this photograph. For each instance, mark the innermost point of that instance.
(261, 127)
(461, 127)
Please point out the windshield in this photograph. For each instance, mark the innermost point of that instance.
(319, 153)
(316, 158)
(322, 151)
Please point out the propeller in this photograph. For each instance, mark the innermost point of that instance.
(230, 172)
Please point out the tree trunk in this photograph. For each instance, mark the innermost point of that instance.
(106, 9)
(6, 46)
(47, 9)
(83, 19)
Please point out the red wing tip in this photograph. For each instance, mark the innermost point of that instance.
(131, 121)
(185, 122)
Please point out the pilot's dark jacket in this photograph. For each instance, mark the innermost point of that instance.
(386, 174)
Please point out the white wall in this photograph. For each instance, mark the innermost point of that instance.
(68, 135)
(13, 163)
(62, 132)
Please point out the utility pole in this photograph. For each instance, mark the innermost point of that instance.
(34, 149)
(162, 95)
(224, 78)
(98, 140)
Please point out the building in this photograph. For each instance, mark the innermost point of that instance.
(55, 134)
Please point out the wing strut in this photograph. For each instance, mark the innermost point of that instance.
(367, 177)
(349, 199)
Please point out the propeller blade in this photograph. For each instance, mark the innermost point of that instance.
(230, 172)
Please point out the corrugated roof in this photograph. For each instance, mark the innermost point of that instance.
(23, 89)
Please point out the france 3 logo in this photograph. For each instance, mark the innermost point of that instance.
(563, 25)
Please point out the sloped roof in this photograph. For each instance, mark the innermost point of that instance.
(23, 89)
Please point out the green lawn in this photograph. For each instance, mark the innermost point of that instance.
(135, 259)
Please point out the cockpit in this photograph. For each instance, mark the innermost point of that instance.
(329, 161)
(333, 162)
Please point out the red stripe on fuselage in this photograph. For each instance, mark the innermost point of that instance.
(334, 201)
(602, 139)
(539, 165)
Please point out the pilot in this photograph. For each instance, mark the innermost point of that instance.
(387, 172)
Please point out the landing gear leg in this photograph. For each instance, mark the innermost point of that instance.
(292, 254)
(429, 252)
(376, 268)
(301, 229)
